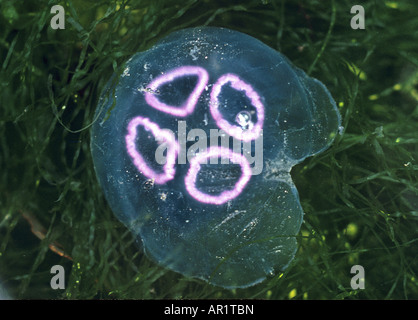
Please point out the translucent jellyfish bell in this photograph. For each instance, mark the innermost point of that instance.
(193, 147)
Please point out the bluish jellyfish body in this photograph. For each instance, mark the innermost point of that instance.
(193, 146)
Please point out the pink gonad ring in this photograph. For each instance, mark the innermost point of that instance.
(224, 196)
(188, 107)
(234, 130)
(162, 136)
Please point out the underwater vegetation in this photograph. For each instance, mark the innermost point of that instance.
(358, 195)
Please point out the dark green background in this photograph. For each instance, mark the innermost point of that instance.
(360, 196)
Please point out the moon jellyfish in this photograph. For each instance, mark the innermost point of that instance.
(193, 145)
